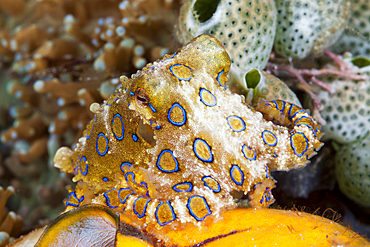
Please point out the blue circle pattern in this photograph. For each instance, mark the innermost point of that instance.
(191, 211)
(176, 162)
(97, 144)
(183, 79)
(120, 119)
(167, 222)
(251, 159)
(107, 198)
(241, 173)
(83, 172)
(183, 115)
(218, 79)
(175, 187)
(294, 147)
(125, 164)
(218, 185)
(266, 142)
(203, 101)
(210, 159)
(123, 200)
(239, 118)
(146, 205)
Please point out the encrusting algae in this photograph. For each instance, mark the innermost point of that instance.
(168, 157)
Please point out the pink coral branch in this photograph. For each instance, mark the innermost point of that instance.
(298, 74)
(323, 85)
(346, 74)
(338, 59)
(316, 104)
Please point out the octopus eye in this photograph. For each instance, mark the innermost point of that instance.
(141, 97)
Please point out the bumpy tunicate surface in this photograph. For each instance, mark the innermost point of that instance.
(306, 27)
(353, 171)
(246, 28)
(347, 111)
(206, 142)
(357, 40)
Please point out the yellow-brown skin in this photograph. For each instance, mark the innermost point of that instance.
(206, 138)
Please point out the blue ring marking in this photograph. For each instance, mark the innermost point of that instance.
(105, 179)
(146, 204)
(124, 199)
(131, 93)
(295, 113)
(106, 197)
(83, 173)
(277, 105)
(209, 150)
(267, 172)
(172, 211)
(263, 199)
(228, 122)
(191, 211)
(125, 164)
(97, 146)
(120, 118)
(263, 137)
(73, 194)
(88, 136)
(181, 79)
(274, 155)
(241, 172)
(204, 102)
(218, 79)
(145, 185)
(309, 126)
(313, 130)
(245, 156)
(151, 107)
(218, 185)
(151, 124)
(268, 196)
(170, 56)
(132, 174)
(134, 137)
(176, 162)
(185, 183)
(293, 146)
(183, 115)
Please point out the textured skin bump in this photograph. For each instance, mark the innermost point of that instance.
(208, 142)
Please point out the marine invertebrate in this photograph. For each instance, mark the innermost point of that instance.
(356, 38)
(258, 85)
(300, 31)
(190, 171)
(245, 28)
(353, 171)
(346, 111)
